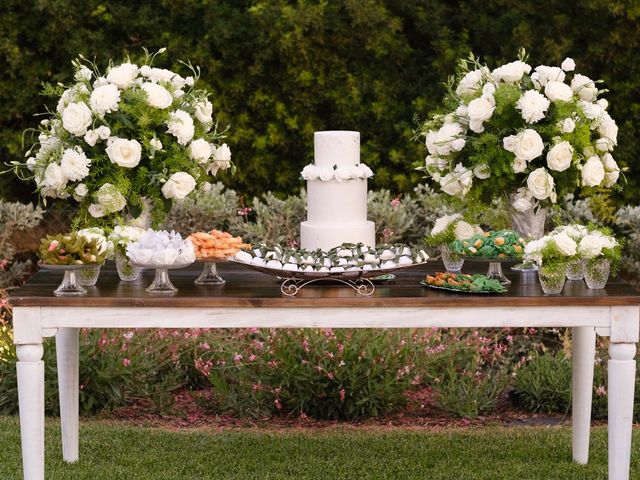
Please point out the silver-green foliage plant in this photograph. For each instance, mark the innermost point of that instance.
(393, 217)
(211, 207)
(14, 217)
(277, 220)
(628, 223)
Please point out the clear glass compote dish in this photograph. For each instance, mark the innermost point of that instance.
(210, 275)
(70, 285)
(161, 284)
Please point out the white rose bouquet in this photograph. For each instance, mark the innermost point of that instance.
(529, 133)
(135, 136)
(450, 228)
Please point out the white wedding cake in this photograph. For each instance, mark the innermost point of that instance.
(336, 193)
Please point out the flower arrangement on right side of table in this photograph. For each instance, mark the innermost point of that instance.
(533, 134)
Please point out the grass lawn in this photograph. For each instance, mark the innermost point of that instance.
(121, 451)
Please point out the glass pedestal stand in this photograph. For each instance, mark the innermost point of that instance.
(495, 272)
(70, 285)
(161, 284)
(209, 275)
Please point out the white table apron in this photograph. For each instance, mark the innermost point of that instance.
(620, 323)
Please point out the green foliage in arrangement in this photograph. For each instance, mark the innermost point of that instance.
(278, 70)
(70, 249)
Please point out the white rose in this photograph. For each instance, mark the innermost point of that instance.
(592, 111)
(592, 172)
(604, 145)
(565, 244)
(559, 156)
(529, 145)
(568, 65)
(522, 204)
(609, 163)
(204, 111)
(511, 72)
(482, 171)
(310, 172)
(518, 165)
(103, 132)
(543, 74)
(178, 186)
(326, 174)
(479, 110)
(222, 154)
(463, 230)
(100, 81)
(584, 87)
(96, 210)
(510, 143)
(602, 103)
(590, 246)
(54, 177)
(80, 191)
(155, 144)
(110, 198)
(74, 164)
(457, 182)
(608, 129)
(567, 125)
(91, 137)
(180, 125)
(189, 81)
(488, 90)
(83, 74)
(558, 91)
(200, 150)
(76, 118)
(450, 138)
(540, 183)
(157, 95)
(611, 178)
(533, 106)
(469, 84)
(443, 222)
(462, 111)
(125, 153)
(123, 75)
(31, 163)
(365, 171)
(105, 99)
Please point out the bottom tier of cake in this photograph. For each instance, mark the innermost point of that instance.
(327, 236)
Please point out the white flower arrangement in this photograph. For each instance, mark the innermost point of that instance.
(559, 134)
(161, 248)
(117, 139)
(449, 228)
(121, 236)
(339, 174)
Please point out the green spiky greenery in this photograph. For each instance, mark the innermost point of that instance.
(135, 119)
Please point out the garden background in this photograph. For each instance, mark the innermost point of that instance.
(278, 71)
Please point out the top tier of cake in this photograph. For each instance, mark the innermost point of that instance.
(340, 148)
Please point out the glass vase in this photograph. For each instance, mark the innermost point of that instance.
(552, 279)
(596, 273)
(530, 223)
(452, 261)
(127, 271)
(575, 270)
(88, 276)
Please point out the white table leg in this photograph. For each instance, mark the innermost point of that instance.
(30, 368)
(583, 344)
(67, 352)
(622, 373)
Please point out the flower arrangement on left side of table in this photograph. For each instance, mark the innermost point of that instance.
(71, 249)
(136, 136)
(530, 134)
(446, 230)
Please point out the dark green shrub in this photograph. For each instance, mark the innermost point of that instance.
(544, 383)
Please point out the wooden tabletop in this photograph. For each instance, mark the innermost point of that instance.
(248, 288)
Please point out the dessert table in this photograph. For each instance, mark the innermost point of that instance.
(252, 299)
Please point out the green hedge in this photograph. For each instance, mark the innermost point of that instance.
(279, 70)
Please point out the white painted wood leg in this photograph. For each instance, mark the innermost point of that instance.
(67, 352)
(622, 372)
(583, 344)
(30, 368)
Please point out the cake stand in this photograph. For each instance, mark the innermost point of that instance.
(70, 285)
(495, 267)
(209, 275)
(161, 284)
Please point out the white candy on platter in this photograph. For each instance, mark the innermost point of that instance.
(290, 259)
(326, 262)
(422, 256)
(405, 261)
(337, 269)
(258, 253)
(370, 258)
(290, 267)
(389, 264)
(308, 260)
(345, 253)
(274, 264)
(272, 255)
(342, 262)
(387, 255)
(309, 268)
(258, 262)
(404, 251)
(323, 269)
(366, 266)
(353, 269)
(244, 257)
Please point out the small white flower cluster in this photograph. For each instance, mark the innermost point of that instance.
(80, 135)
(123, 235)
(462, 229)
(161, 248)
(346, 258)
(339, 174)
(571, 241)
(95, 233)
(476, 96)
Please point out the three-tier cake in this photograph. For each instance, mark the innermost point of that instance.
(336, 193)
